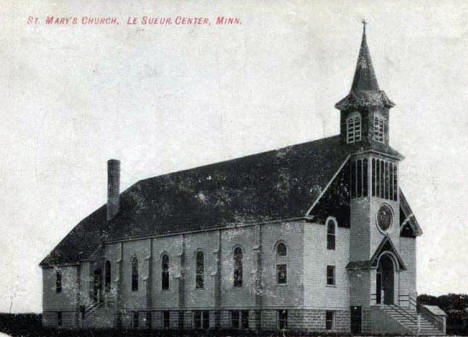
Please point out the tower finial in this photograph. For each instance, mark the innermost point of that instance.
(364, 23)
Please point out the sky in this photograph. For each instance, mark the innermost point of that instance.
(166, 98)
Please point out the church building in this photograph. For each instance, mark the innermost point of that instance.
(312, 237)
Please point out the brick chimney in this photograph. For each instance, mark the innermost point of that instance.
(113, 188)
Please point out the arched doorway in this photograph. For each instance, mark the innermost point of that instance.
(97, 289)
(385, 280)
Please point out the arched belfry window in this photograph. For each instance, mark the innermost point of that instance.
(107, 280)
(134, 274)
(378, 128)
(165, 272)
(200, 271)
(238, 267)
(331, 234)
(353, 128)
(281, 263)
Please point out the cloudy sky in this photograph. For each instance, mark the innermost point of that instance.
(165, 98)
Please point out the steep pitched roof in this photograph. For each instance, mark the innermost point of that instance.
(364, 76)
(273, 185)
(409, 225)
(365, 90)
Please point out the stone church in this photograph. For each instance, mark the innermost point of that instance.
(312, 237)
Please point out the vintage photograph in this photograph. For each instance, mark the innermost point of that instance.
(250, 168)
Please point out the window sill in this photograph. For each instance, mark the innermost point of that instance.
(331, 285)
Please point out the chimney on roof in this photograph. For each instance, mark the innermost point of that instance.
(113, 188)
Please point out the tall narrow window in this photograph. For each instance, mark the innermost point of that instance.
(395, 183)
(235, 319)
(387, 181)
(329, 320)
(379, 129)
(200, 271)
(353, 179)
(149, 319)
(281, 266)
(373, 177)
(365, 178)
(166, 319)
(165, 272)
(197, 319)
(136, 321)
(107, 280)
(58, 282)
(206, 319)
(353, 128)
(331, 234)
(359, 178)
(238, 267)
(244, 319)
(382, 181)
(281, 273)
(330, 275)
(135, 274)
(377, 179)
(282, 319)
(59, 319)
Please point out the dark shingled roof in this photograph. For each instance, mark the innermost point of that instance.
(273, 185)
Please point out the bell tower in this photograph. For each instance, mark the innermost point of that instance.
(365, 110)
(374, 191)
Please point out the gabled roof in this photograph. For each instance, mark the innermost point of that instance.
(409, 225)
(386, 245)
(274, 185)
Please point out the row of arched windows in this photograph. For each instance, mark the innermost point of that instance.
(281, 253)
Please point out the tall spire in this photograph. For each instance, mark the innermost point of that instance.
(365, 90)
(364, 76)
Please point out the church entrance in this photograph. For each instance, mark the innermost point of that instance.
(385, 280)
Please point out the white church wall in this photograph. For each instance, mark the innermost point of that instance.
(408, 276)
(245, 238)
(207, 242)
(317, 294)
(172, 247)
(290, 294)
(134, 299)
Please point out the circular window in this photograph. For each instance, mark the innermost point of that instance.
(384, 218)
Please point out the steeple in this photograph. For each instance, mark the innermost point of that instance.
(365, 91)
(365, 110)
(364, 76)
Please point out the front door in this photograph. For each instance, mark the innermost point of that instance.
(356, 314)
(385, 281)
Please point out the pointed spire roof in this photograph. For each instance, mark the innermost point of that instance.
(365, 90)
(364, 76)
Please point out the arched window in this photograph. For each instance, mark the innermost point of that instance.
(379, 128)
(238, 267)
(281, 264)
(107, 281)
(331, 234)
(281, 249)
(134, 274)
(200, 271)
(353, 128)
(165, 272)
